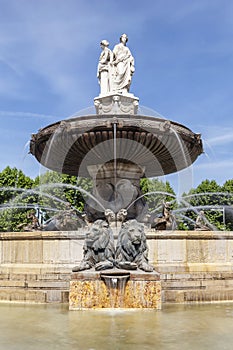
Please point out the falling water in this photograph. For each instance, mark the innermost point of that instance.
(114, 152)
(63, 185)
(150, 193)
(55, 203)
(116, 284)
(115, 162)
(185, 155)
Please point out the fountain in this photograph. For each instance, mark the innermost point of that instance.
(116, 147)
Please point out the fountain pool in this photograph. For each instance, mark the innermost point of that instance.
(191, 327)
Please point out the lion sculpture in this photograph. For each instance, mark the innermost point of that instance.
(131, 249)
(98, 248)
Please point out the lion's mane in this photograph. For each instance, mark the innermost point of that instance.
(99, 245)
(131, 243)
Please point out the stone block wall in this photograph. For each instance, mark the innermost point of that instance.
(193, 266)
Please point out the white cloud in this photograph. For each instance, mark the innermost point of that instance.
(221, 139)
(24, 114)
(211, 166)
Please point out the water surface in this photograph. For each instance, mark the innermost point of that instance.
(206, 326)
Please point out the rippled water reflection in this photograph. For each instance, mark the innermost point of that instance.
(54, 327)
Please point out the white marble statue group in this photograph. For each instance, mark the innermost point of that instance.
(115, 68)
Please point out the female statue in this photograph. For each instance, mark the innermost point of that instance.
(123, 62)
(104, 68)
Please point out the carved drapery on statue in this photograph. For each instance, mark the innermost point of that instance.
(124, 65)
(104, 70)
(115, 68)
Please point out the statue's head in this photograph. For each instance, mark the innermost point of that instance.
(104, 43)
(132, 232)
(124, 38)
(99, 231)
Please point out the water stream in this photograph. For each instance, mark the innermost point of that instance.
(116, 284)
(58, 200)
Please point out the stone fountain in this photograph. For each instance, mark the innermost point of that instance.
(116, 147)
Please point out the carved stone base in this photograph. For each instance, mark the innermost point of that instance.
(116, 104)
(116, 190)
(89, 290)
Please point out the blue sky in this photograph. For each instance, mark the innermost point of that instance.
(183, 52)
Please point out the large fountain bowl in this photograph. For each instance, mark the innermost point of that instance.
(157, 145)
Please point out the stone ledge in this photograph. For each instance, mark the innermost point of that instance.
(11, 294)
(9, 269)
(42, 235)
(150, 234)
(196, 296)
(189, 235)
(135, 275)
(201, 276)
(185, 267)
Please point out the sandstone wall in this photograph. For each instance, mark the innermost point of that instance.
(194, 266)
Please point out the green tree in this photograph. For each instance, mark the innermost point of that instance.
(57, 190)
(227, 191)
(48, 193)
(227, 199)
(11, 181)
(16, 198)
(77, 190)
(208, 196)
(156, 192)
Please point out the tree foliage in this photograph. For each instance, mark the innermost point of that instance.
(57, 190)
(51, 192)
(15, 198)
(214, 199)
(11, 180)
(46, 195)
(156, 192)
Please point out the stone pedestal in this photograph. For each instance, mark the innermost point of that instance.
(89, 290)
(115, 189)
(116, 104)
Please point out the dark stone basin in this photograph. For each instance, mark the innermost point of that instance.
(156, 145)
